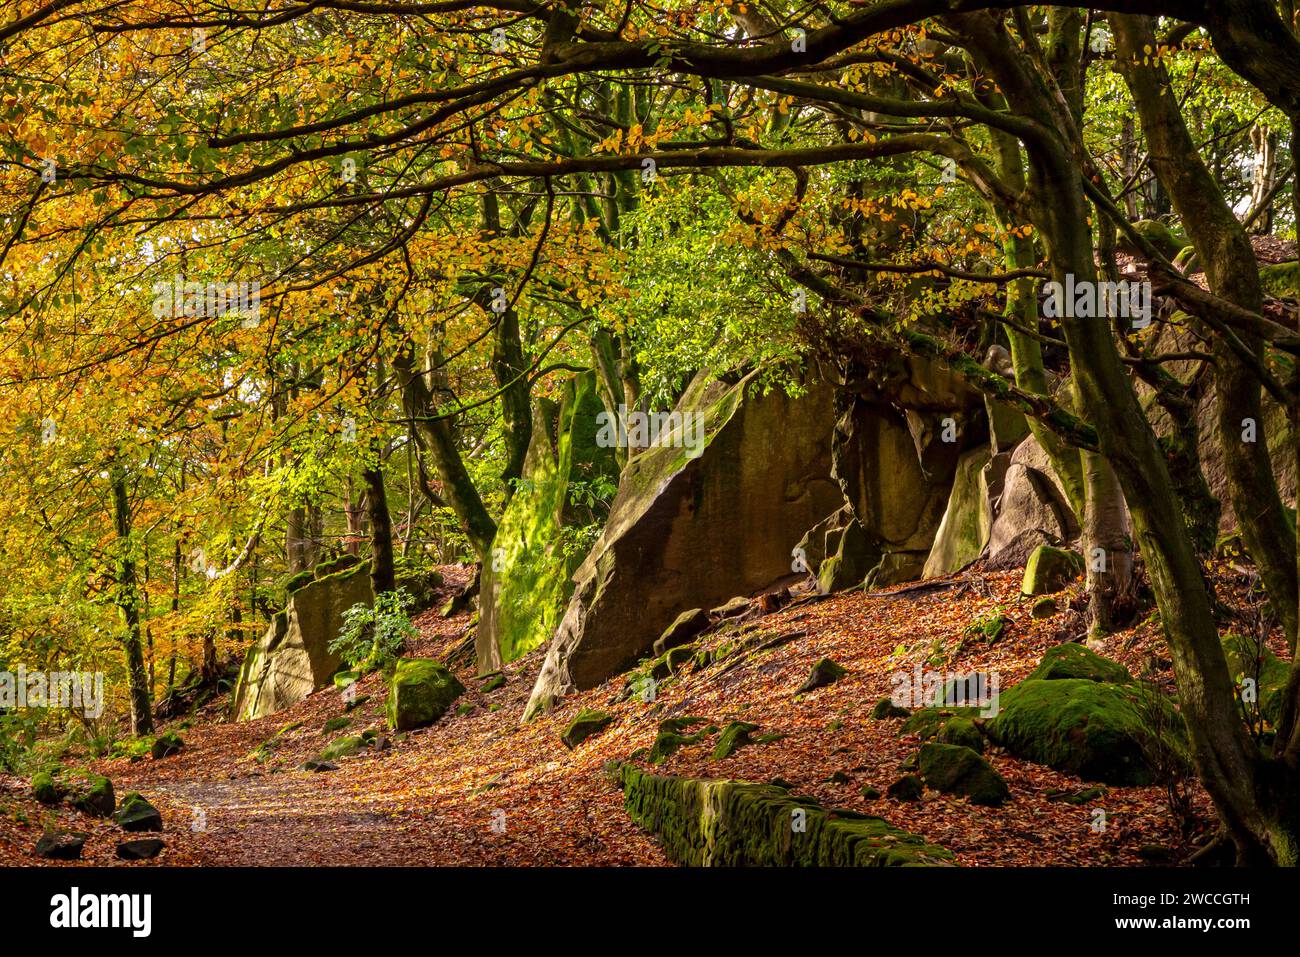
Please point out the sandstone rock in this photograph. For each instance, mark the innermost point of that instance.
(419, 692)
(1050, 570)
(693, 531)
(585, 723)
(293, 658)
(967, 521)
(1031, 512)
(683, 631)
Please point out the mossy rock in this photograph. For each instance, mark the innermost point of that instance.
(165, 745)
(1282, 280)
(137, 814)
(1050, 570)
(989, 629)
(734, 737)
(585, 723)
(335, 724)
(1169, 242)
(885, 709)
(419, 692)
(870, 793)
(1073, 660)
(342, 748)
(907, 788)
(954, 769)
(493, 683)
(928, 722)
(300, 580)
(670, 739)
(89, 793)
(1092, 729)
(1043, 608)
(962, 732)
(718, 823)
(333, 566)
(343, 679)
(1268, 672)
(463, 709)
(684, 630)
(46, 789)
(824, 673)
(356, 702)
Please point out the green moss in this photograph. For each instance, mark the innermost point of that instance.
(45, 789)
(739, 824)
(885, 709)
(1093, 729)
(954, 769)
(419, 692)
(927, 722)
(342, 748)
(89, 793)
(670, 738)
(734, 737)
(1073, 660)
(1050, 570)
(535, 580)
(1281, 280)
(1268, 672)
(335, 724)
(585, 723)
(961, 731)
(823, 673)
(493, 683)
(166, 744)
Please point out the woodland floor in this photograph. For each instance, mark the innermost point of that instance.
(432, 799)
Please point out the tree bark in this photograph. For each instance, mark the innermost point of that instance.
(127, 599)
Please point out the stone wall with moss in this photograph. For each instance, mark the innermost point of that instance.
(528, 577)
(707, 823)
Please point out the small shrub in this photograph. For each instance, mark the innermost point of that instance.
(373, 636)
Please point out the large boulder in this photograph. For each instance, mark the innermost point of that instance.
(1050, 570)
(528, 579)
(689, 531)
(293, 658)
(419, 693)
(896, 470)
(1097, 730)
(967, 521)
(1031, 510)
(1073, 660)
(955, 769)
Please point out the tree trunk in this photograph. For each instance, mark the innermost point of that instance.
(1233, 273)
(383, 576)
(128, 603)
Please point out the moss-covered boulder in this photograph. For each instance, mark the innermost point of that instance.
(907, 788)
(954, 769)
(961, 732)
(925, 723)
(719, 823)
(419, 692)
(342, 748)
(733, 737)
(293, 659)
(885, 709)
(824, 673)
(1258, 674)
(526, 585)
(684, 630)
(1096, 730)
(967, 521)
(853, 559)
(1045, 607)
(1281, 280)
(165, 745)
(1073, 660)
(740, 487)
(672, 736)
(584, 724)
(89, 793)
(1050, 570)
(46, 788)
(137, 814)
(1165, 239)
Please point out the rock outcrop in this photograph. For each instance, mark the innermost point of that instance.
(293, 658)
(692, 531)
(528, 579)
